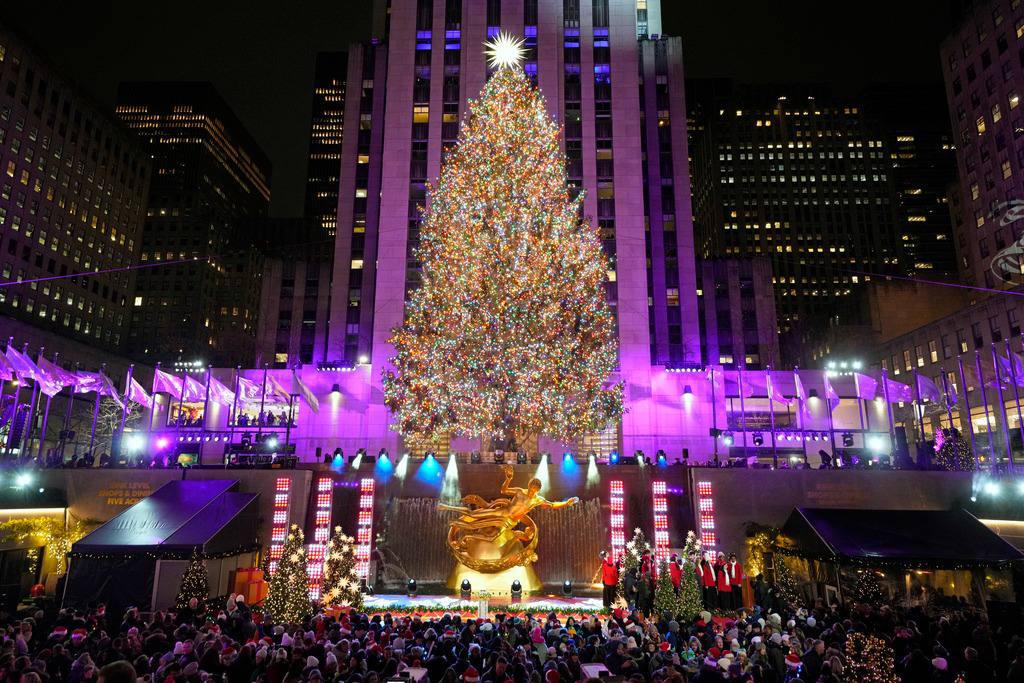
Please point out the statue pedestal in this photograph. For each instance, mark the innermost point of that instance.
(497, 582)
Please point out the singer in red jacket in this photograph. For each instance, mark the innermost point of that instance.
(735, 571)
(724, 583)
(675, 570)
(609, 578)
(709, 588)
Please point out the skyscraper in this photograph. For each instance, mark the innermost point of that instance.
(617, 85)
(210, 179)
(73, 187)
(325, 135)
(792, 173)
(984, 84)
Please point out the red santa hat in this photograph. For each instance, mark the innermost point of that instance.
(793, 660)
(471, 675)
(552, 676)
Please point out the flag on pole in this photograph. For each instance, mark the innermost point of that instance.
(898, 392)
(927, 389)
(193, 390)
(166, 383)
(55, 377)
(1012, 368)
(22, 364)
(866, 386)
(6, 369)
(220, 393)
(100, 383)
(830, 393)
(275, 392)
(137, 394)
(248, 390)
(801, 395)
(306, 394)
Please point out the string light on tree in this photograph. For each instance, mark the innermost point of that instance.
(194, 583)
(288, 596)
(510, 334)
(340, 583)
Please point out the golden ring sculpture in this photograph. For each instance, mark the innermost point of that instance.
(502, 524)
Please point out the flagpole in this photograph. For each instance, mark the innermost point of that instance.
(181, 401)
(889, 415)
(124, 411)
(95, 417)
(800, 410)
(1002, 407)
(743, 408)
(263, 397)
(32, 405)
(67, 416)
(945, 396)
(967, 407)
(1016, 395)
(714, 416)
(46, 417)
(152, 400)
(14, 409)
(918, 408)
(984, 402)
(206, 405)
(771, 416)
(233, 418)
(831, 421)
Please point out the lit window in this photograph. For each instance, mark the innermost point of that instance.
(1007, 171)
(980, 124)
(138, 301)
(420, 114)
(1014, 100)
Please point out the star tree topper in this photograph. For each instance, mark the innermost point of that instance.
(504, 50)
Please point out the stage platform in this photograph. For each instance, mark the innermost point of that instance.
(436, 605)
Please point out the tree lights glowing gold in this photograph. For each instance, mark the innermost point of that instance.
(509, 335)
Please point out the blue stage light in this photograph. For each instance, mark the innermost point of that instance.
(614, 458)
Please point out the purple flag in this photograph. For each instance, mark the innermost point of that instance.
(98, 382)
(306, 394)
(6, 369)
(220, 393)
(193, 391)
(737, 382)
(866, 386)
(166, 383)
(55, 377)
(137, 394)
(23, 365)
(248, 389)
(275, 392)
(1011, 370)
(830, 394)
(927, 390)
(801, 395)
(898, 392)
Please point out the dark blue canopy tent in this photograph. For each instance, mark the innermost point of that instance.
(120, 562)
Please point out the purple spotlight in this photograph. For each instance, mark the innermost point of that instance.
(162, 443)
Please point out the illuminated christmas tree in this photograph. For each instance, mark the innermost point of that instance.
(194, 583)
(869, 660)
(868, 589)
(665, 598)
(509, 334)
(636, 548)
(691, 600)
(953, 454)
(288, 596)
(340, 584)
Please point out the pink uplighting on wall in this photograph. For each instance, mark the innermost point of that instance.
(316, 550)
(659, 495)
(617, 522)
(706, 516)
(279, 524)
(364, 533)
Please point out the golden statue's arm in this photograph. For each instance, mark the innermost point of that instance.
(556, 504)
(505, 488)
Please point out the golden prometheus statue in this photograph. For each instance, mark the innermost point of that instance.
(490, 537)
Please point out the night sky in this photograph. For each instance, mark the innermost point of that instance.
(260, 55)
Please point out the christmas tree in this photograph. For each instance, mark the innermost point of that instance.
(868, 589)
(952, 452)
(194, 583)
(869, 660)
(509, 334)
(340, 584)
(665, 598)
(691, 600)
(635, 549)
(288, 597)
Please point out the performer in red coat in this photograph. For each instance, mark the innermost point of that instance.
(709, 586)
(675, 570)
(724, 583)
(609, 578)
(735, 571)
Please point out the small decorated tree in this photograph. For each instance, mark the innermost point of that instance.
(288, 597)
(340, 585)
(665, 599)
(691, 600)
(869, 660)
(868, 589)
(194, 583)
(952, 453)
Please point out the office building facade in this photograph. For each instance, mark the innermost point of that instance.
(325, 134)
(210, 182)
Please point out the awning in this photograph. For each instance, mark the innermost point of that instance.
(937, 539)
(180, 517)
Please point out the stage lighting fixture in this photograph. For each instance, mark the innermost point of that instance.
(758, 439)
(517, 591)
(410, 588)
(992, 488)
(382, 453)
(567, 588)
(687, 390)
(499, 457)
(826, 459)
(727, 438)
(466, 589)
(430, 456)
(134, 442)
(847, 440)
(566, 457)
(336, 389)
(521, 457)
(22, 480)
(1020, 488)
(474, 457)
(614, 458)
(662, 457)
(271, 442)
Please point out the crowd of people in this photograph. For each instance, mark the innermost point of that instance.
(235, 643)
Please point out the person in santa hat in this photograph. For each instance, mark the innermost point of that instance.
(471, 675)
(724, 584)
(708, 583)
(734, 570)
